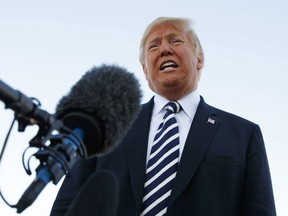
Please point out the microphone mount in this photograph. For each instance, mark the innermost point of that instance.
(56, 159)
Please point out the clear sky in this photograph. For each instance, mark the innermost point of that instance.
(46, 46)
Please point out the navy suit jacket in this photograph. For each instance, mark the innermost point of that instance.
(223, 169)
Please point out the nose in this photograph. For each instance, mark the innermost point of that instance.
(165, 49)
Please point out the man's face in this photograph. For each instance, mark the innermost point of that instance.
(171, 66)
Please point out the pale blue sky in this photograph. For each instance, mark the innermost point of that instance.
(46, 46)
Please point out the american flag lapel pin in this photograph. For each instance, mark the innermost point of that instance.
(211, 121)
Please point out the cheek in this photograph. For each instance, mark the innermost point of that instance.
(151, 59)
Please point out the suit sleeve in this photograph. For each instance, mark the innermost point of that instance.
(80, 172)
(258, 192)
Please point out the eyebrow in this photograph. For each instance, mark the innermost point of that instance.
(157, 38)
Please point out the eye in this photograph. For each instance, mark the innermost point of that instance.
(176, 41)
(153, 46)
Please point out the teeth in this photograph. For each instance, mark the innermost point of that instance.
(168, 64)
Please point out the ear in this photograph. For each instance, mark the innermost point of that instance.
(200, 62)
(145, 71)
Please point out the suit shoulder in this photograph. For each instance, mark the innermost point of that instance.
(229, 116)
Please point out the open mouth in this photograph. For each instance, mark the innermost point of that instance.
(168, 64)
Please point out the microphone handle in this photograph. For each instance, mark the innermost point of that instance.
(30, 195)
(53, 170)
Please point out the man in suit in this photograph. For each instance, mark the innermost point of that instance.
(222, 167)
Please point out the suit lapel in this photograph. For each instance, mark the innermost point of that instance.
(136, 151)
(199, 138)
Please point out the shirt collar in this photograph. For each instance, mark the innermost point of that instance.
(189, 103)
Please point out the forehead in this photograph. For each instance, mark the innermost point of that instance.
(164, 30)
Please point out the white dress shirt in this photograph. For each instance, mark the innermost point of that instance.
(189, 105)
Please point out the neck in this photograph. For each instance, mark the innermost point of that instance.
(175, 94)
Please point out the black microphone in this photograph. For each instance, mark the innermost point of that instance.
(98, 196)
(23, 106)
(99, 110)
(109, 96)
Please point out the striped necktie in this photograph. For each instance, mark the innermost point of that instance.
(162, 164)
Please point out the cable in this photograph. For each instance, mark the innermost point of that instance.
(1, 155)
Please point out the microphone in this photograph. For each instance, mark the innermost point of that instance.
(99, 110)
(23, 107)
(98, 196)
(110, 97)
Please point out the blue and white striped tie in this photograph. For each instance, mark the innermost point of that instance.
(162, 165)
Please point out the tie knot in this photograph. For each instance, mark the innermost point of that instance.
(174, 106)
